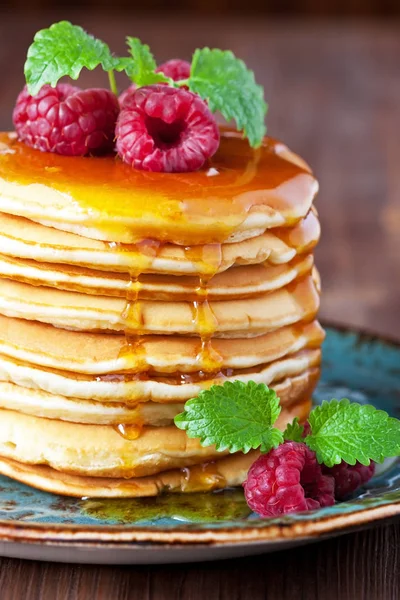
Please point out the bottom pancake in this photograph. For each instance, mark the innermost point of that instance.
(225, 472)
(92, 452)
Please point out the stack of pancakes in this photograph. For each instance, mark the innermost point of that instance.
(123, 294)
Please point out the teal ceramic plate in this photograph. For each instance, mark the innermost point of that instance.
(38, 525)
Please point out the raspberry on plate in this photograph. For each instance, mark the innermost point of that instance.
(175, 68)
(67, 120)
(348, 478)
(287, 479)
(166, 129)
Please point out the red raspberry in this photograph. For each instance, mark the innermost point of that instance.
(348, 478)
(175, 68)
(286, 480)
(166, 129)
(126, 94)
(67, 120)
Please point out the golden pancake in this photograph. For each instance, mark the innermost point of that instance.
(23, 238)
(239, 194)
(97, 449)
(254, 279)
(100, 451)
(227, 318)
(224, 472)
(162, 388)
(101, 354)
(39, 403)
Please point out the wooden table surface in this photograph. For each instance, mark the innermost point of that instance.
(334, 95)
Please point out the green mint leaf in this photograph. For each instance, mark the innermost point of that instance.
(229, 87)
(344, 430)
(235, 416)
(143, 66)
(294, 431)
(63, 49)
(122, 64)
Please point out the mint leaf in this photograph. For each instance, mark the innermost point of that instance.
(294, 431)
(235, 416)
(230, 87)
(344, 430)
(142, 68)
(64, 49)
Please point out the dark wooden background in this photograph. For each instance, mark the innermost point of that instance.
(308, 8)
(334, 94)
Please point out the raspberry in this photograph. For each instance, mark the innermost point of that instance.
(348, 478)
(286, 480)
(67, 120)
(126, 94)
(166, 129)
(175, 68)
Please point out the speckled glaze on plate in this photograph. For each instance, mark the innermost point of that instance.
(192, 527)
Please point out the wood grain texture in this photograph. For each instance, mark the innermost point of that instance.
(360, 566)
(334, 94)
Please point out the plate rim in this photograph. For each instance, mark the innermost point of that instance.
(120, 535)
(92, 535)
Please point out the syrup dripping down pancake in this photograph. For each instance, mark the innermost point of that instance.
(25, 239)
(254, 279)
(163, 388)
(233, 318)
(129, 419)
(101, 354)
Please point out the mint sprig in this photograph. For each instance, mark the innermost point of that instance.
(230, 87)
(344, 430)
(217, 76)
(142, 69)
(294, 431)
(234, 416)
(240, 416)
(64, 49)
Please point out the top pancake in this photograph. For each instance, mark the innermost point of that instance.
(238, 195)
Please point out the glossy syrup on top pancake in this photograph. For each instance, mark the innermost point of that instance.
(200, 207)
